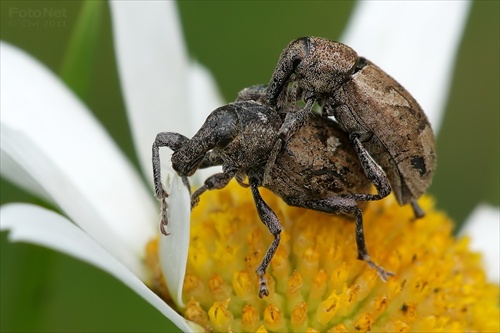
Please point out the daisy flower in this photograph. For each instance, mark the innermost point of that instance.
(201, 277)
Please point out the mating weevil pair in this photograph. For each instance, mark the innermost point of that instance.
(312, 162)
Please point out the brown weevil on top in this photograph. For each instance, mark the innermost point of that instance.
(380, 116)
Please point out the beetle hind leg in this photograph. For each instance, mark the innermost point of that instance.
(417, 210)
(362, 251)
(345, 205)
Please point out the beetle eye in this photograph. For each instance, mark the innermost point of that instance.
(360, 63)
(296, 63)
(306, 43)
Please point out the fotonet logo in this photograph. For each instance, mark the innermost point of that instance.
(38, 17)
(16, 12)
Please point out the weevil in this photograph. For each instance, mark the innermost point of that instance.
(380, 116)
(316, 167)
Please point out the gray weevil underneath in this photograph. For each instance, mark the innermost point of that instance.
(316, 168)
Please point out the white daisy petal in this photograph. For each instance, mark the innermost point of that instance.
(483, 228)
(413, 41)
(153, 67)
(205, 95)
(54, 139)
(15, 173)
(33, 224)
(174, 247)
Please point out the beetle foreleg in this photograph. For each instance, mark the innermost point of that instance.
(164, 139)
(173, 141)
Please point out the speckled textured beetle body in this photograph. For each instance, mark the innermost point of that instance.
(316, 162)
(316, 168)
(379, 115)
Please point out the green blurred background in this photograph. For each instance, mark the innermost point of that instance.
(239, 42)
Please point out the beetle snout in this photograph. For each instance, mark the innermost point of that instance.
(185, 165)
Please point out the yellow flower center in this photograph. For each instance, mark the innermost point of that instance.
(316, 283)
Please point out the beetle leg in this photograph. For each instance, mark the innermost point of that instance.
(214, 182)
(173, 141)
(417, 210)
(378, 178)
(372, 171)
(269, 218)
(362, 251)
(294, 120)
(164, 139)
(343, 205)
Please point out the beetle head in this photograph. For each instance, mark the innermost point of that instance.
(318, 65)
(326, 66)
